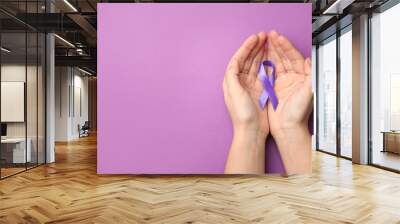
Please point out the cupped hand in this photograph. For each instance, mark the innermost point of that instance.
(293, 86)
(242, 88)
(288, 123)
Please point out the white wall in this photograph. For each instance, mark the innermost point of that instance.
(70, 83)
(80, 103)
(62, 81)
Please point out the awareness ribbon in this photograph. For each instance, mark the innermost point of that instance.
(268, 83)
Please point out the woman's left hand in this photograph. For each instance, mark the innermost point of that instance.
(242, 89)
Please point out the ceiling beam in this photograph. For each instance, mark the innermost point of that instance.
(86, 26)
(338, 6)
(83, 61)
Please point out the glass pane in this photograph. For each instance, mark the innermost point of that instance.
(314, 73)
(385, 86)
(346, 94)
(327, 96)
(31, 100)
(14, 153)
(41, 98)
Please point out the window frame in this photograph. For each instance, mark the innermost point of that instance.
(334, 37)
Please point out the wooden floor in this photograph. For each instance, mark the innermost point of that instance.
(387, 159)
(70, 191)
(5, 172)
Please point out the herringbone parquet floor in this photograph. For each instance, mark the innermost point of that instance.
(70, 191)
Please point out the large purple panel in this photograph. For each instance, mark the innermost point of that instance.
(160, 70)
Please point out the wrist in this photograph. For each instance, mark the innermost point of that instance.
(294, 145)
(247, 153)
(250, 134)
(286, 130)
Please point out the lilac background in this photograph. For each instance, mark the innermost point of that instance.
(160, 70)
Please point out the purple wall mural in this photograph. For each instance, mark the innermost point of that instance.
(160, 69)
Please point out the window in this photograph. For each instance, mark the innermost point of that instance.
(22, 77)
(314, 84)
(385, 89)
(327, 96)
(346, 92)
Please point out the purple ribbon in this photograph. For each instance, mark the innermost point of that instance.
(268, 83)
